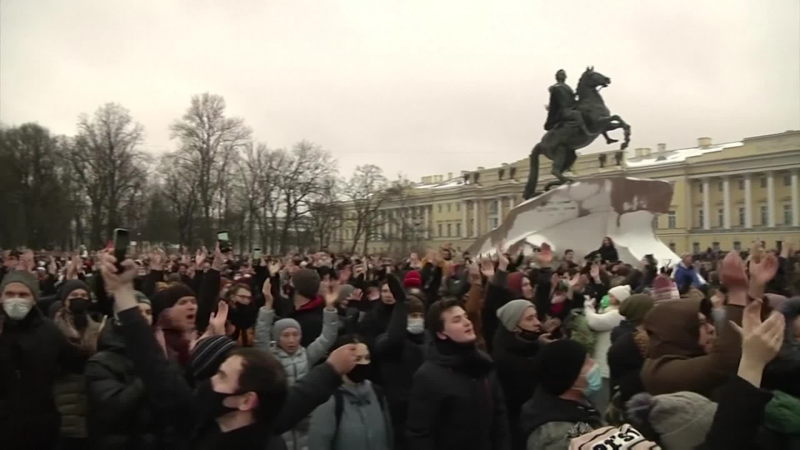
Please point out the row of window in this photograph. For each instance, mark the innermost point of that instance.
(787, 181)
(449, 207)
(449, 227)
(764, 210)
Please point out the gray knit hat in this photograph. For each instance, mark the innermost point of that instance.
(681, 420)
(306, 283)
(279, 326)
(141, 298)
(512, 311)
(22, 277)
(344, 292)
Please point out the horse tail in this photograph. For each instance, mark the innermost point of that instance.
(533, 174)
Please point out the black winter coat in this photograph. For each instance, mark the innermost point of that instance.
(456, 402)
(625, 362)
(120, 414)
(31, 352)
(516, 370)
(398, 354)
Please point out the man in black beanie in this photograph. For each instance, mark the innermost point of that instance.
(559, 410)
(306, 305)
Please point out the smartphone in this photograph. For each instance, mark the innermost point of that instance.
(122, 240)
(256, 253)
(224, 242)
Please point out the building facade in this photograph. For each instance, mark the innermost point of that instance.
(725, 196)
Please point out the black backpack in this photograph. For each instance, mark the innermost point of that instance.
(338, 399)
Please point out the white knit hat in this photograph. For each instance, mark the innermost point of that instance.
(621, 293)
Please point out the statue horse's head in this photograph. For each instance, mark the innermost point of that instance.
(591, 80)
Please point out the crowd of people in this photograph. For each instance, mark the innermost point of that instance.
(322, 351)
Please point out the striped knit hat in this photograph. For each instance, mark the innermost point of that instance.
(664, 289)
(208, 355)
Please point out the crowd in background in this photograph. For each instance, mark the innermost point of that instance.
(444, 350)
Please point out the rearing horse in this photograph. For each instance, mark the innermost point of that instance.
(560, 143)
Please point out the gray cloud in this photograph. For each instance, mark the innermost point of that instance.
(416, 87)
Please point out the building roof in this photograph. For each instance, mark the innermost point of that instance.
(678, 155)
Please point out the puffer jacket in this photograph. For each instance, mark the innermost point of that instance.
(297, 365)
(70, 388)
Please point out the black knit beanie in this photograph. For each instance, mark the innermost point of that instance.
(168, 298)
(559, 364)
(72, 285)
(306, 283)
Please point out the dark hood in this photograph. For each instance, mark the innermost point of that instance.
(674, 329)
(544, 408)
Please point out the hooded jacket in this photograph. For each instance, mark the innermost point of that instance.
(456, 402)
(549, 422)
(675, 361)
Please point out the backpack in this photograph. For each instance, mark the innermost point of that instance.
(338, 399)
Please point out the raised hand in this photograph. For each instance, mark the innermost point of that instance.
(761, 341)
(763, 270)
(475, 273)
(356, 296)
(266, 290)
(200, 257)
(487, 268)
(331, 292)
(114, 280)
(218, 261)
(343, 359)
(217, 320)
(502, 261)
(157, 261)
(733, 274)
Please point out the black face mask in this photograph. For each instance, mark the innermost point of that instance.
(360, 373)
(529, 335)
(78, 305)
(211, 401)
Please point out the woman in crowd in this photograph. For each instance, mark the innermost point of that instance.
(357, 416)
(607, 251)
(602, 324)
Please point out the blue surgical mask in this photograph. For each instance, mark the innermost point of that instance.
(594, 381)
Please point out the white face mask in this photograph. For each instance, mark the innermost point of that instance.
(17, 308)
(416, 326)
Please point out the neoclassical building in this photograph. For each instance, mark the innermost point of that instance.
(725, 196)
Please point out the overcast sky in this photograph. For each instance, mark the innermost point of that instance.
(416, 87)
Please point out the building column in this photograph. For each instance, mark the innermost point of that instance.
(426, 221)
(475, 227)
(706, 205)
(499, 211)
(387, 226)
(511, 201)
(726, 200)
(771, 199)
(795, 212)
(748, 202)
(464, 221)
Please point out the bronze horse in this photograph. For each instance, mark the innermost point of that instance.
(560, 143)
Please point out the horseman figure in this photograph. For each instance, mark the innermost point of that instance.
(572, 125)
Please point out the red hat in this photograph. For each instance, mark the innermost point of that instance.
(413, 279)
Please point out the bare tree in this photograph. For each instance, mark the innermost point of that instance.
(326, 210)
(301, 177)
(180, 188)
(108, 164)
(366, 191)
(208, 142)
(35, 193)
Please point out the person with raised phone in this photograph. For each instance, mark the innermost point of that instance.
(246, 405)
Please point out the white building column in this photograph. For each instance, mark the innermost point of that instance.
(748, 202)
(499, 211)
(387, 226)
(795, 212)
(475, 204)
(726, 200)
(706, 205)
(511, 201)
(771, 199)
(426, 220)
(464, 221)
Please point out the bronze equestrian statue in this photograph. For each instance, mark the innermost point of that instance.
(573, 124)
